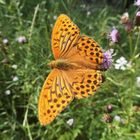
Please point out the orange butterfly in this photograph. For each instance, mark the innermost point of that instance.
(76, 69)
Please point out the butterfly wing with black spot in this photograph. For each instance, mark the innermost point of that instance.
(87, 53)
(84, 82)
(55, 95)
(90, 50)
(64, 36)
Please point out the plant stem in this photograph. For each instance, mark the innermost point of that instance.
(137, 42)
(25, 123)
(33, 22)
(130, 44)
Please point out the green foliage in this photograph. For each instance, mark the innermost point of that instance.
(20, 87)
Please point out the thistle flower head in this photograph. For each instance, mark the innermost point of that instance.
(114, 35)
(137, 3)
(107, 62)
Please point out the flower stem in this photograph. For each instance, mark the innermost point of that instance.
(33, 22)
(130, 43)
(26, 124)
(137, 42)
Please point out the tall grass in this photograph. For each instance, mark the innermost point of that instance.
(20, 87)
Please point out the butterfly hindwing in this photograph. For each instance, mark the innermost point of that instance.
(54, 97)
(64, 36)
(84, 82)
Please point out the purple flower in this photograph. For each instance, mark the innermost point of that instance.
(137, 19)
(137, 3)
(138, 13)
(21, 39)
(114, 35)
(107, 62)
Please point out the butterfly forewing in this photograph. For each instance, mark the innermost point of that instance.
(64, 36)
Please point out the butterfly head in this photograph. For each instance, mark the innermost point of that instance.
(52, 64)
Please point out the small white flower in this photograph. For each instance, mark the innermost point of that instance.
(15, 78)
(83, 6)
(117, 118)
(14, 66)
(21, 39)
(54, 17)
(5, 41)
(7, 92)
(51, 25)
(122, 64)
(88, 13)
(138, 81)
(70, 122)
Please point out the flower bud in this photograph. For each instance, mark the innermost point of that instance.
(129, 26)
(114, 35)
(137, 19)
(107, 118)
(125, 18)
(109, 108)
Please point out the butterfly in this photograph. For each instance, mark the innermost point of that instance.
(75, 71)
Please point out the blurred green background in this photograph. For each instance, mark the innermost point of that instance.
(113, 113)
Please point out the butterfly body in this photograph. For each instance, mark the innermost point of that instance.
(75, 71)
(63, 64)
